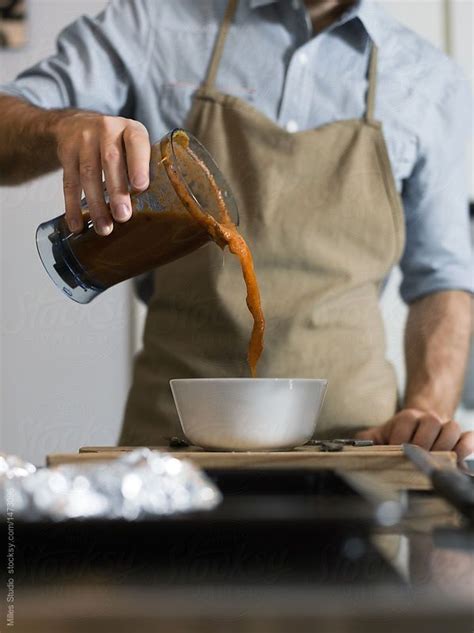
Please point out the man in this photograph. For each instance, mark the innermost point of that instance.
(287, 96)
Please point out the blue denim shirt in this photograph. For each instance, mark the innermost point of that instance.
(145, 58)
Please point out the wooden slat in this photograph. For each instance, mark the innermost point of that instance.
(57, 459)
(387, 462)
(195, 449)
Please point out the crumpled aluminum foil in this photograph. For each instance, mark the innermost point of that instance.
(12, 466)
(142, 484)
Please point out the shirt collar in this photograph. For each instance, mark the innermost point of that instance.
(364, 10)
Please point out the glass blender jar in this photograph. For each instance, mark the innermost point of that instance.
(160, 230)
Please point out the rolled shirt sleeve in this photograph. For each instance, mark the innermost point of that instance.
(99, 64)
(438, 253)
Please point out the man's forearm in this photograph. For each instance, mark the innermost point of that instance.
(27, 142)
(436, 348)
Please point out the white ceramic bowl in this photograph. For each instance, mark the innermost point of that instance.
(243, 414)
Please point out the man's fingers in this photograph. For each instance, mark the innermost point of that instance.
(72, 196)
(465, 445)
(428, 431)
(402, 428)
(91, 144)
(113, 164)
(90, 170)
(423, 429)
(137, 148)
(449, 436)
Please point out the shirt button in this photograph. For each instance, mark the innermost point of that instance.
(292, 126)
(303, 59)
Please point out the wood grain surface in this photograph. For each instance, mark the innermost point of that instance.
(387, 462)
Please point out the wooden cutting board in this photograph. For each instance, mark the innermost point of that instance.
(387, 462)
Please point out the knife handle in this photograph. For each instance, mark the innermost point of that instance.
(456, 488)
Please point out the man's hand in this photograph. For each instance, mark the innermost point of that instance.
(36, 141)
(436, 348)
(425, 429)
(89, 144)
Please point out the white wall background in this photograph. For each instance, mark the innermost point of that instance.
(65, 368)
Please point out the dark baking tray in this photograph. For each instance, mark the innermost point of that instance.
(272, 526)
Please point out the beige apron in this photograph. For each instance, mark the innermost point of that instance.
(323, 219)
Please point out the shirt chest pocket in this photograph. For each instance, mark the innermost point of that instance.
(175, 100)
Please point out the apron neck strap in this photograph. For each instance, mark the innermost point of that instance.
(372, 85)
(220, 43)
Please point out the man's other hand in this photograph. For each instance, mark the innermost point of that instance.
(89, 144)
(424, 429)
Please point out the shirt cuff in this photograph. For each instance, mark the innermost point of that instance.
(412, 289)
